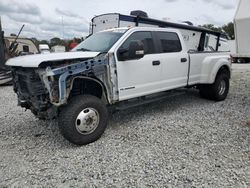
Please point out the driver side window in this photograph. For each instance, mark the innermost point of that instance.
(143, 36)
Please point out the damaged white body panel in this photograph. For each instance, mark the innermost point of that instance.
(33, 61)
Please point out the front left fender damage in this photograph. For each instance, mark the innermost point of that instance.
(57, 83)
(63, 78)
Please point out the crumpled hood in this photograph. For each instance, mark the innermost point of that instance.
(37, 59)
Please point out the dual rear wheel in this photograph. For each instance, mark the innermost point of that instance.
(218, 90)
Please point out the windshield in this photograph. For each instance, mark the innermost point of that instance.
(100, 42)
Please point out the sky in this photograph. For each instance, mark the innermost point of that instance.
(46, 19)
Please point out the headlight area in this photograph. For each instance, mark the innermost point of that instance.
(31, 92)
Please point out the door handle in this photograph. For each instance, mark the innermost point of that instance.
(183, 60)
(156, 63)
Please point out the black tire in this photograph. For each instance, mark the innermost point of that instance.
(204, 91)
(68, 119)
(218, 90)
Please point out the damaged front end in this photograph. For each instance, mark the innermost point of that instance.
(45, 89)
(31, 92)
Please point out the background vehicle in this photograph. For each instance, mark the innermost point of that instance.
(5, 74)
(12, 47)
(25, 45)
(242, 31)
(44, 48)
(58, 48)
(117, 69)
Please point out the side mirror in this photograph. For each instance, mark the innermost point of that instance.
(135, 51)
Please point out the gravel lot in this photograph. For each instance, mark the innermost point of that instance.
(184, 141)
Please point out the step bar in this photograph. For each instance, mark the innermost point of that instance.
(147, 99)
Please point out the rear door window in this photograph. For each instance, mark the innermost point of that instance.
(169, 42)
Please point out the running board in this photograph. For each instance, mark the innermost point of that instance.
(148, 99)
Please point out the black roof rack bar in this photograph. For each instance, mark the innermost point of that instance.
(166, 24)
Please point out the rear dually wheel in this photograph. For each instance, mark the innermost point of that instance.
(217, 91)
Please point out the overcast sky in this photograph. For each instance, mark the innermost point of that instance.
(43, 19)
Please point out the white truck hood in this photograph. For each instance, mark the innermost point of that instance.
(37, 59)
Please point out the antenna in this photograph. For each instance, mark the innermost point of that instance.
(0, 24)
(62, 29)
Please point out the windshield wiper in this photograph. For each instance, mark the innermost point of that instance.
(83, 49)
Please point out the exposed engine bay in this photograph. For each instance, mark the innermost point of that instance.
(45, 89)
(31, 91)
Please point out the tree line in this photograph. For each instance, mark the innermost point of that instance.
(228, 29)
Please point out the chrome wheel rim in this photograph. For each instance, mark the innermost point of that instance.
(222, 87)
(87, 121)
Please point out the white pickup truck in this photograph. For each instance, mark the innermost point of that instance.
(115, 68)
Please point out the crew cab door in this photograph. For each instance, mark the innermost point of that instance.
(141, 76)
(174, 59)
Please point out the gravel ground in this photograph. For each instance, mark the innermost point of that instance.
(184, 141)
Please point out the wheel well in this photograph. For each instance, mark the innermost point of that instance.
(82, 86)
(225, 69)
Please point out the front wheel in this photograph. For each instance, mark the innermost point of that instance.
(218, 90)
(83, 120)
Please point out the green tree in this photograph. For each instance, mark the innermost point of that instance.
(44, 42)
(55, 41)
(212, 27)
(229, 29)
(36, 41)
